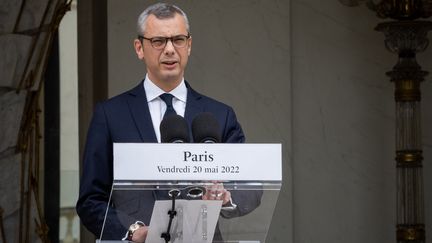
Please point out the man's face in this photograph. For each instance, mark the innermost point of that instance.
(166, 66)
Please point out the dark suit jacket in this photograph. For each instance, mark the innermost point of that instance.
(126, 118)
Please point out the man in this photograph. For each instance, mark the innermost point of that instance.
(164, 44)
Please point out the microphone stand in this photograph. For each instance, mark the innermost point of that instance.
(172, 213)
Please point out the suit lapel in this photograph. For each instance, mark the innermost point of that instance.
(194, 105)
(137, 102)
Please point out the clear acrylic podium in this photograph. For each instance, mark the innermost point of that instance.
(147, 196)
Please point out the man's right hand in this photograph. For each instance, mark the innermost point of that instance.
(140, 234)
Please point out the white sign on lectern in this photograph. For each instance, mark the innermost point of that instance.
(238, 162)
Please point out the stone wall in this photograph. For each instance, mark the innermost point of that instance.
(311, 75)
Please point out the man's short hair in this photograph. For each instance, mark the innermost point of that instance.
(160, 11)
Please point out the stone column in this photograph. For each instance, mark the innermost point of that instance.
(92, 70)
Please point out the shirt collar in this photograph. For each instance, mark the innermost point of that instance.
(153, 91)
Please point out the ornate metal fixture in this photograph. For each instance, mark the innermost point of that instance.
(406, 37)
(396, 9)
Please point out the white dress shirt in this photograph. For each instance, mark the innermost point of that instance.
(158, 107)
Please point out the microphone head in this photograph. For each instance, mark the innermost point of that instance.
(174, 129)
(206, 129)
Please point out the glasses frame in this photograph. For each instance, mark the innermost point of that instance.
(188, 36)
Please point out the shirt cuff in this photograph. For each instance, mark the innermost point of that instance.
(230, 206)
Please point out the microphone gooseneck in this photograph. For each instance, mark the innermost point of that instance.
(206, 129)
(174, 193)
(174, 129)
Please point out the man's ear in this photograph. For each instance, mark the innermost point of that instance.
(139, 49)
(189, 45)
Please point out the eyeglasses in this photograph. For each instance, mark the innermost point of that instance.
(159, 42)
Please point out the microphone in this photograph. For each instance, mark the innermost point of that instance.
(206, 129)
(174, 129)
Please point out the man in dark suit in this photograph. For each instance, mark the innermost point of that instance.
(164, 44)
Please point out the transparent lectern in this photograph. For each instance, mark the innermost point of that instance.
(163, 186)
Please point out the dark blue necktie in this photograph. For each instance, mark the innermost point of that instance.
(167, 98)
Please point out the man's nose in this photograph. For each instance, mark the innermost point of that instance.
(169, 48)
